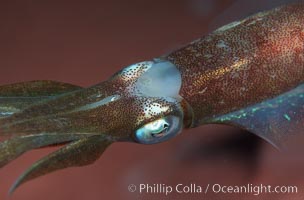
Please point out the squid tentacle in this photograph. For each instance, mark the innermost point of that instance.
(78, 153)
(14, 147)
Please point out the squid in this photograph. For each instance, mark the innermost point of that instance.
(248, 74)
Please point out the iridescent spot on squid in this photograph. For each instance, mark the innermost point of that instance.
(287, 117)
(162, 79)
(98, 103)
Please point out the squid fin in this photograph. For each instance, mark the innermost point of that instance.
(15, 147)
(78, 153)
(18, 96)
(277, 120)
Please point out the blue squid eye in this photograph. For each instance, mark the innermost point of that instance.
(159, 130)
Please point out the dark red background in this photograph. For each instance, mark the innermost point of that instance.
(86, 42)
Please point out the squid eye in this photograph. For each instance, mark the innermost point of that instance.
(159, 130)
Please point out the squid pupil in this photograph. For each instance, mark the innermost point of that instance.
(162, 132)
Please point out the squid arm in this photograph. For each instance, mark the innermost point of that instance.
(18, 96)
(78, 153)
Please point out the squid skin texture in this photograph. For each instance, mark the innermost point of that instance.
(243, 63)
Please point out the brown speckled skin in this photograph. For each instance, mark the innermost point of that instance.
(243, 63)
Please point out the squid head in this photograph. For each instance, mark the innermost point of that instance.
(141, 103)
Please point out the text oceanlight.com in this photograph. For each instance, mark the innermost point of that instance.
(193, 188)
